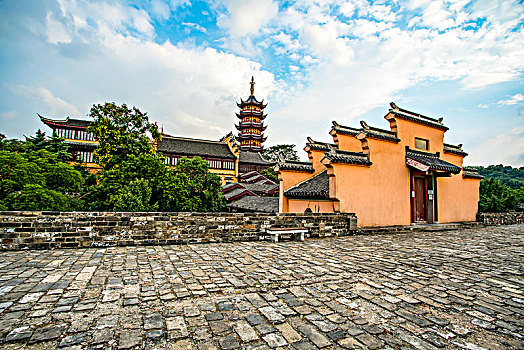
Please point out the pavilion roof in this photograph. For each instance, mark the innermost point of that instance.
(194, 147)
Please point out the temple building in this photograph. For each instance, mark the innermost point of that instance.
(226, 157)
(401, 176)
(251, 125)
(81, 143)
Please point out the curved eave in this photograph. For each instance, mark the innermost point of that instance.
(251, 148)
(259, 126)
(455, 152)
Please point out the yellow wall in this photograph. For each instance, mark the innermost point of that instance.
(287, 179)
(316, 206)
(380, 194)
(315, 157)
(457, 197)
(346, 142)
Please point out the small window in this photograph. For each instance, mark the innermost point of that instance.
(421, 144)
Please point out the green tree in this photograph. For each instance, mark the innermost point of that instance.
(191, 187)
(271, 174)
(495, 197)
(121, 132)
(38, 180)
(274, 153)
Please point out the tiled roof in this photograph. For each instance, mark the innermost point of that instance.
(345, 130)
(194, 147)
(237, 193)
(433, 161)
(66, 122)
(255, 204)
(454, 149)
(416, 117)
(319, 146)
(370, 132)
(255, 177)
(296, 166)
(259, 187)
(253, 158)
(316, 187)
(471, 173)
(338, 156)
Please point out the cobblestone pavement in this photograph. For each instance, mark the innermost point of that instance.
(453, 289)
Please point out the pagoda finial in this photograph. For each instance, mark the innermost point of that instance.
(252, 86)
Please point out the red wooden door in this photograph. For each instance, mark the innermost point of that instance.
(420, 199)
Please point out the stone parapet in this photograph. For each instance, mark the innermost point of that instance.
(45, 230)
(509, 218)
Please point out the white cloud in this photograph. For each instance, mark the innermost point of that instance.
(56, 32)
(247, 17)
(506, 148)
(483, 106)
(325, 42)
(513, 100)
(45, 100)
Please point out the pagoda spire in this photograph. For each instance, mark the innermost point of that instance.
(251, 124)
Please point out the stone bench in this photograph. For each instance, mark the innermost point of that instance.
(292, 232)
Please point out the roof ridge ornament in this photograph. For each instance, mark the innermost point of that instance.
(393, 105)
(364, 125)
(252, 83)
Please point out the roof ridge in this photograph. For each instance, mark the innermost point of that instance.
(192, 139)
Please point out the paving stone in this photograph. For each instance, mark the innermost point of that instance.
(264, 328)
(245, 331)
(288, 332)
(228, 342)
(214, 316)
(255, 319)
(129, 339)
(153, 321)
(418, 290)
(102, 336)
(274, 340)
(155, 335)
(73, 339)
(272, 314)
(18, 334)
(314, 336)
(47, 333)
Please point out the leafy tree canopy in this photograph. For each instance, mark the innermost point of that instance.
(274, 153)
(507, 175)
(495, 197)
(271, 174)
(121, 132)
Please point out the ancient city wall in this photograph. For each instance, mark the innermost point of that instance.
(43, 230)
(509, 218)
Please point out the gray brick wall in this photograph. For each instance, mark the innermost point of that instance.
(509, 218)
(44, 230)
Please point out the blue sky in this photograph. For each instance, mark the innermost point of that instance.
(186, 63)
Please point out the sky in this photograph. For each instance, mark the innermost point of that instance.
(187, 63)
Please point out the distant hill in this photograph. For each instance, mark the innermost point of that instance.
(507, 175)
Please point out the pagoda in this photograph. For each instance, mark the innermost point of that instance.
(251, 123)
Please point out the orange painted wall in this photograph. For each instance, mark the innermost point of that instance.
(288, 179)
(315, 157)
(347, 142)
(378, 194)
(457, 197)
(316, 206)
(407, 131)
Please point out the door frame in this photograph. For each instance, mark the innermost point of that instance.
(431, 200)
(419, 175)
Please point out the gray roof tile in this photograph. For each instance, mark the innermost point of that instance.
(316, 187)
(194, 147)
